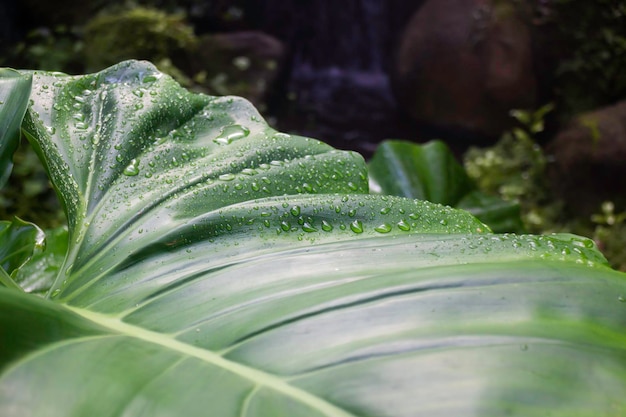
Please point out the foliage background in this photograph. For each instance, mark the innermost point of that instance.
(80, 37)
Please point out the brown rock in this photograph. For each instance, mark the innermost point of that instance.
(589, 160)
(464, 64)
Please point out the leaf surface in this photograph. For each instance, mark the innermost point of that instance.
(215, 266)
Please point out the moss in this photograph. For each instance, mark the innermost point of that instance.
(139, 33)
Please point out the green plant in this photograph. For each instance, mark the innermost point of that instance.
(216, 266)
(58, 48)
(610, 234)
(430, 172)
(515, 170)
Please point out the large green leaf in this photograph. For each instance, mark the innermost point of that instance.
(14, 93)
(216, 267)
(431, 172)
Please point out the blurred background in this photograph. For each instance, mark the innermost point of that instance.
(530, 95)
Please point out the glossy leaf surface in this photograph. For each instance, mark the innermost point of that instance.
(430, 172)
(189, 289)
(14, 93)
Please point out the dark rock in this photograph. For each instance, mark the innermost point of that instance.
(465, 64)
(336, 84)
(589, 160)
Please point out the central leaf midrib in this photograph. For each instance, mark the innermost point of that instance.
(258, 377)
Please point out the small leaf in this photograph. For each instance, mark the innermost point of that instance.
(37, 275)
(20, 240)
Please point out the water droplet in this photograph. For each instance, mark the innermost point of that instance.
(383, 228)
(249, 171)
(356, 226)
(443, 222)
(385, 210)
(226, 177)
(402, 225)
(285, 226)
(621, 299)
(308, 228)
(50, 130)
(583, 242)
(352, 213)
(295, 211)
(132, 169)
(231, 133)
(327, 227)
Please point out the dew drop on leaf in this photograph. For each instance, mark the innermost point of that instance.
(383, 228)
(404, 226)
(231, 133)
(356, 226)
(226, 177)
(132, 169)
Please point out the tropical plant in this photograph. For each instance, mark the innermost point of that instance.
(431, 172)
(213, 266)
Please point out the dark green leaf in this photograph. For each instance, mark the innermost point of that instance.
(427, 172)
(19, 240)
(431, 172)
(14, 93)
(500, 215)
(38, 274)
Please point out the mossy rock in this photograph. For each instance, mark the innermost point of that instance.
(138, 33)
